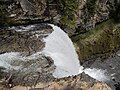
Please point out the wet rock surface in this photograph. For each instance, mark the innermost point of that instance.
(20, 65)
(84, 18)
(79, 82)
(111, 65)
(27, 38)
(31, 70)
(103, 48)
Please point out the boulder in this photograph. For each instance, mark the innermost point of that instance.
(78, 82)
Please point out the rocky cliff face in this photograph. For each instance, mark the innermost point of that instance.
(93, 12)
(80, 14)
(102, 41)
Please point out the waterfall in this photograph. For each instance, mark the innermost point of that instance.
(60, 48)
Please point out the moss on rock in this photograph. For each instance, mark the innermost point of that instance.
(104, 39)
(68, 10)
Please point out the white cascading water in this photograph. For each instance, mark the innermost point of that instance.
(6, 58)
(61, 49)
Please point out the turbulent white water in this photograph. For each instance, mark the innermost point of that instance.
(61, 49)
(97, 74)
(7, 58)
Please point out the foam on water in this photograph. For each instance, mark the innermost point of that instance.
(97, 74)
(22, 28)
(7, 58)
